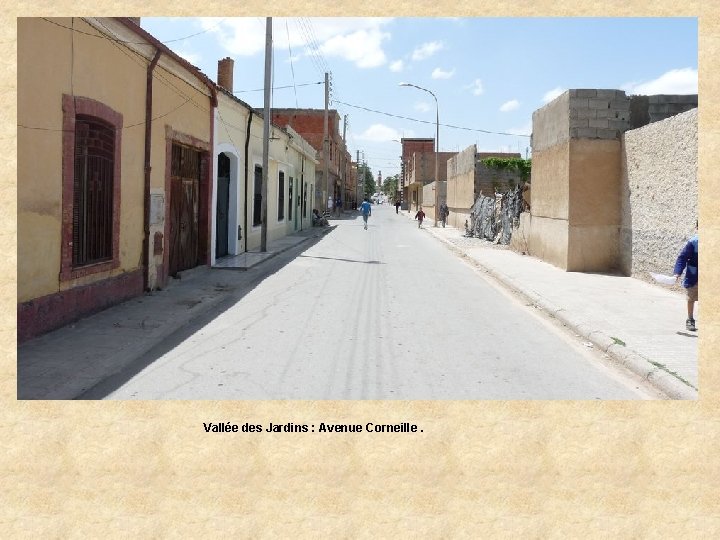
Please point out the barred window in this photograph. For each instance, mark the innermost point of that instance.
(281, 196)
(93, 191)
(257, 197)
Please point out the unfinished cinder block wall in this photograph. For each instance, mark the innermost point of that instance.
(575, 205)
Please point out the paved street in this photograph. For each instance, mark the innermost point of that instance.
(387, 313)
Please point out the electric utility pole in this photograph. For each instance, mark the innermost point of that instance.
(266, 134)
(357, 178)
(325, 143)
(343, 165)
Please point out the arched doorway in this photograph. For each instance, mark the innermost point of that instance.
(222, 209)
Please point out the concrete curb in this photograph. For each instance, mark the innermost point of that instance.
(658, 377)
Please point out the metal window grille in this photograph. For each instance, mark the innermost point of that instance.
(257, 197)
(93, 191)
(290, 198)
(281, 196)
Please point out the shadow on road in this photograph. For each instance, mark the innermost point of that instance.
(252, 278)
(340, 259)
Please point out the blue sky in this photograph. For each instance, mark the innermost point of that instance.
(489, 74)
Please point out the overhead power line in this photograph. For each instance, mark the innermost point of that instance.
(433, 123)
(278, 87)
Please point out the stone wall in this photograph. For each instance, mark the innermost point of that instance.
(659, 193)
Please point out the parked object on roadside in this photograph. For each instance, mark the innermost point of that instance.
(366, 210)
(420, 216)
(687, 262)
(318, 220)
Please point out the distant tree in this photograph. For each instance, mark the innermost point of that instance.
(390, 186)
(366, 179)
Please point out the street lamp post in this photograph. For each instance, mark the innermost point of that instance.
(437, 144)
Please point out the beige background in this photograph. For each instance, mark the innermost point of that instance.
(479, 469)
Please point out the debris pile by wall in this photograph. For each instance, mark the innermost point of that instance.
(494, 218)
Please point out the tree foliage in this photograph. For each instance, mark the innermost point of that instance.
(390, 186)
(522, 166)
(366, 179)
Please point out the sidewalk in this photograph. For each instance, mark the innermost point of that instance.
(638, 325)
(65, 363)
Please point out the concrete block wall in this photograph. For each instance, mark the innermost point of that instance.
(489, 180)
(605, 198)
(576, 179)
(598, 114)
(664, 106)
(659, 193)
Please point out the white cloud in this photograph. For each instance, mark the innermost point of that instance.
(552, 94)
(397, 66)
(440, 74)
(476, 86)
(356, 39)
(379, 133)
(422, 106)
(509, 105)
(675, 81)
(426, 50)
(363, 48)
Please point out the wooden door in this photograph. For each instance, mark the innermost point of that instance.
(184, 192)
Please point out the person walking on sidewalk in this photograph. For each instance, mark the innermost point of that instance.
(366, 211)
(397, 205)
(688, 261)
(444, 213)
(420, 216)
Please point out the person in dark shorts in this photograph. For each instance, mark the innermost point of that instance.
(687, 261)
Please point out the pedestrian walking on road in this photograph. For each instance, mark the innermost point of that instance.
(366, 210)
(420, 216)
(338, 205)
(397, 205)
(444, 213)
(688, 261)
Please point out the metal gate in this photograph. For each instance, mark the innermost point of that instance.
(184, 192)
(223, 206)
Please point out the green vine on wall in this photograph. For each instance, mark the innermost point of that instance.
(522, 166)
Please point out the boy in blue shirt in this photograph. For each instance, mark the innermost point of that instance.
(366, 211)
(688, 261)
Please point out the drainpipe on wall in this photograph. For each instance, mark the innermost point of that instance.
(146, 198)
(247, 165)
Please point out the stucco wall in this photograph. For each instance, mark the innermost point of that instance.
(105, 74)
(659, 193)
(429, 198)
(594, 204)
(551, 125)
(461, 179)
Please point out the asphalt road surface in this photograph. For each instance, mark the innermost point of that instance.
(383, 313)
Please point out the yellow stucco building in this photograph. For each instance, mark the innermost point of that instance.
(114, 166)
